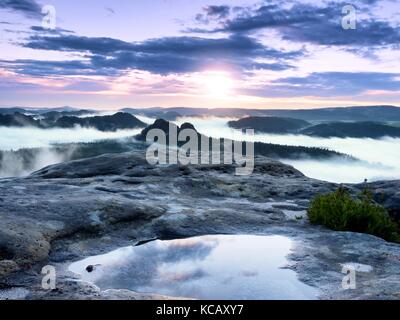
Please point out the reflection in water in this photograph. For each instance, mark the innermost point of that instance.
(208, 267)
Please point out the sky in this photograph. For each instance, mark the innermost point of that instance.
(105, 54)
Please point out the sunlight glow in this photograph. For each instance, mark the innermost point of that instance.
(217, 84)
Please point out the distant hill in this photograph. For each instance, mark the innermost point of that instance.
(54, 115)
(269, 124)
(275, 151)
(53, 119)
(366, 113)
(154, 113)
(17, 120)
(359, 113)
(352, 130)
(277, 125)
(115, 122)
(12, 110)
(33, 111)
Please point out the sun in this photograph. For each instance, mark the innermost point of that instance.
(217, 84)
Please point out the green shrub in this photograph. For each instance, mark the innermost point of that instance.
(341, 212)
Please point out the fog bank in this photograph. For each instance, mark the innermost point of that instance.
(381, 156)
(13, 139)
(18, 138)
(13, 165)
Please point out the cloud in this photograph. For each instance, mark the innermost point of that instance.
(301, 22)
(98, 45)
(217, 11)
(330, 84)
(108, 56)
(240, 40)
(29, 8)
(213, 13)
(53, 68)
(110, 10)
(50, 31)
(86, 86)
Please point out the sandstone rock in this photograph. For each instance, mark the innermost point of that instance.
(72, 210)
(7, 267)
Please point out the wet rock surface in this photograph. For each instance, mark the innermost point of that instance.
(69, 211)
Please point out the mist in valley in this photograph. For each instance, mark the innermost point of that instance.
(18, 138)
(16, 164)
(379, 157)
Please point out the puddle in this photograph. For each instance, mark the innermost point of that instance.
(13, 294)
(209, 267)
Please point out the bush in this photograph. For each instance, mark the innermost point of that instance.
(341, 212)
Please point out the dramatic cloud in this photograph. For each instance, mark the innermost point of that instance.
(272, 52)
(29, 8)
(107, 56)
(312, 23)
(53, 68)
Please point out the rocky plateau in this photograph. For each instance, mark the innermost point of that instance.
(76, 209)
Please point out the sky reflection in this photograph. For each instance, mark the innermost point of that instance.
(208, 267)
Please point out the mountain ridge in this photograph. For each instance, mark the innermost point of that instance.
(345, 113)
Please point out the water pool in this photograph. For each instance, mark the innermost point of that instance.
(208, 267)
